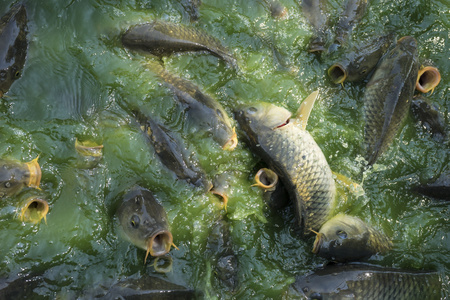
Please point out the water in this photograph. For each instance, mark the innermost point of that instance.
(78, 82)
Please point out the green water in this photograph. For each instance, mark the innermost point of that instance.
(78, 82)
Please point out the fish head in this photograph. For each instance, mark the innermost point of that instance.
(257, 118)
(338, 72)
(13, 46)
(143, 221)
(13, 177)
(342, 238)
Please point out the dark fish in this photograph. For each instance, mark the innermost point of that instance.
(21, 287)
(367, 282)
(275, 195)
(429, 116)
(347, 238)
(163, 38)
(221, 187)
(388, 96)
(145, 287)
(223, 258)
(192, 8)
(277, 9)
(353, 12)
(438, 188)
(358, 61)
(14, 176)
(290, 151)
(171, 154)
(13, 46)
(428, 78)
(144, 222)
(315, 12)
(207, 112)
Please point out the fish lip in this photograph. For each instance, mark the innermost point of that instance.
(222, 195)
(41, 206)
(427, 79)
(231, 144)
(35, 173)
(318, 242)
(266, 179)
(337, 73)
(159, 243)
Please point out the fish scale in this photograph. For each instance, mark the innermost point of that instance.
(294, 155)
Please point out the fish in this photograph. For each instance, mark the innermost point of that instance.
(358, 61)
(15, 175)
(169, 150)
(388, 96)
(207, 113)
(34, 210)
(290, 151)
(21, 286)
(219, 250)
(275, 195)
(221, 187)
(347, 238)
(161, 38)
(438, 188)
(143, 222)
(428, 78)
(429, 116)
(315, 12)
(13, 46)
(277, 9)
(366, 282)
(90, 153)
(353, 12)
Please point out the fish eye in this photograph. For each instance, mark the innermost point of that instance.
(363, 71)
(7, 184)
(135, 221)
(252, 110)
(315, 296)
(342, 234)
(17, 74)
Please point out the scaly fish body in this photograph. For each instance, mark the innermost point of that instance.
(360, 60)
(144, 222)
(293, 154)
(14, 176)
(388, 96)
(367, 282)
(346, 238)
(207, 112)
(164, 38)
(353, 12)
(169, 151)
(429, 116)
(13, 46)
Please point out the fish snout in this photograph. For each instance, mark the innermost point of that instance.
(337, 73)
(159, 243)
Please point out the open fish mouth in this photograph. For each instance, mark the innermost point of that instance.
(34, 211)
(232, 142)
(266, 179)
(337, 73)
(159, 243)
(427, 79)
(222, 195)
(35, 173)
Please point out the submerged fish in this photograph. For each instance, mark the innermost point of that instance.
(13, 46)
(170, 152)
(360, 60)
(346, 238)
(144, 223)
(163, 38)
(315, 12)
(438, 188)
(14, 176)
(367, 282)
(275, 195)
(429, 116)
(428, 78)
(388, 96)
(204, 110)
(353, 12)
(290, 151)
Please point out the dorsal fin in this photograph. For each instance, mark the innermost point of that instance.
(305, 108)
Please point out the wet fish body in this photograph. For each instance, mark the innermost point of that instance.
(203, 109)
(14, 176)
(388, 96)
(438, 189)
(169, 151)
(367, 282)
(293, 154)
(13, 46)
(143, 221)
(429, 116)
(347, 238)
(315, 12)
(353, 12)
(163, 38)
(360, 60)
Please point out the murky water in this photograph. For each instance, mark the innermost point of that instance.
(79, 82)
